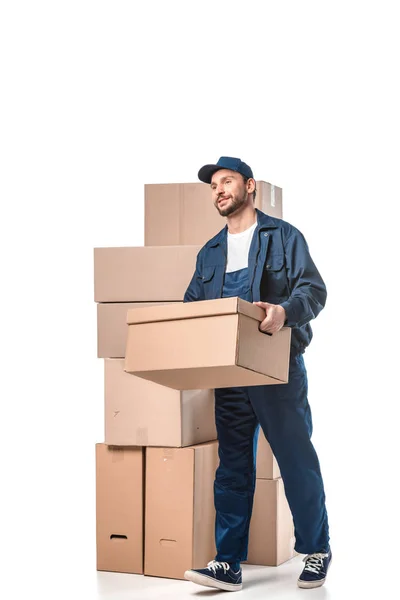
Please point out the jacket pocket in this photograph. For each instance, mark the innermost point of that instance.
(208, 282)
(208, 274)
(275, 282)
(275, 263)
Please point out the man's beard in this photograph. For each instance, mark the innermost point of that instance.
(235, 204)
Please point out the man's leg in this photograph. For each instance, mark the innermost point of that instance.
(285, 417)
(235, 477)
(237, 430)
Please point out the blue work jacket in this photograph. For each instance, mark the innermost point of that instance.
(281, 271)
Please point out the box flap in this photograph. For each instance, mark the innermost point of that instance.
(190, 310)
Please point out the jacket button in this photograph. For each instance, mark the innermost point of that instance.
(268, 266)
(266, 234)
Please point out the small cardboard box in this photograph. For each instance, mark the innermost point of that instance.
(142, 413)
(184, 213)
(112, 328)
(139, 274)
(205, 345)
(119, 509)
(180, 513)
(271, 536)
(267, 466)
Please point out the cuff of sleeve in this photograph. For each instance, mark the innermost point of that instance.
(294, 315)
(289, 317)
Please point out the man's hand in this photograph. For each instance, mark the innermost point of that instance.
(275, 317)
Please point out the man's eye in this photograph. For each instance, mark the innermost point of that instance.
(228, 181)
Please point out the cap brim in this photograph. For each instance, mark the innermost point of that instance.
(205, 174)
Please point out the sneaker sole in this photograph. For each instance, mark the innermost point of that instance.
(211, 582)
(310, 584)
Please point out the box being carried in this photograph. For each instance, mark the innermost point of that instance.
(204, 345)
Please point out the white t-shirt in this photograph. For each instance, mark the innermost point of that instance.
(238, 249)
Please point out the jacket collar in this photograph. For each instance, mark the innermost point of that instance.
(263, 222)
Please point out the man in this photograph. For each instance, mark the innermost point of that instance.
(264, 260)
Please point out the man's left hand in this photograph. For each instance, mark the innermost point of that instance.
(274, 319)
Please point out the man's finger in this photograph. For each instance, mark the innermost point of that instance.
(266, 325)
(264, 331)
(264, 305)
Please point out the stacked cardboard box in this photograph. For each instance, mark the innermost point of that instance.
(149, 428)
(156, 467)
(183, 213)
(271, 539)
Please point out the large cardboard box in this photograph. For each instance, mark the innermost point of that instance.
(180, 514)
(112, 328)
(139, 274)
(266, 466)
(119, 509)
(184, 213)
(271, 537)
(205, 345)
(142, 413)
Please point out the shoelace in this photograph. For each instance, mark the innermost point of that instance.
(314, 562)
(214, 565)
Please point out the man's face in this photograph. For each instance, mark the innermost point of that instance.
(229, 192)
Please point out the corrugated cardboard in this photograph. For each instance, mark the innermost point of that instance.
(139, 274)
(143, 413)
(180, 514)
(267, 467)
(112, 328)
(184, 213)
(271, 538)
(205, 345)
(119, 509)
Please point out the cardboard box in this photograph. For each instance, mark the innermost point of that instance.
(205, 345)
(180, 514)
(112, 328)
(184, 213)
(142, 413)
(119, 509)
(139, 274)
(271, 537)
(266, 465)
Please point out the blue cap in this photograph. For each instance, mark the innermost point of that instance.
(225, 162)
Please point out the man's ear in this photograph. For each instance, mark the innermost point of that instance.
(251, 185)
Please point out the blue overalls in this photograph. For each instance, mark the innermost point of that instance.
(284, 415)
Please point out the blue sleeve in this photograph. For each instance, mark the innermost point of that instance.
(195, 291)
(307, 289)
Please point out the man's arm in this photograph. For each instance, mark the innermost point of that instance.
(308, 291)
(195, 291)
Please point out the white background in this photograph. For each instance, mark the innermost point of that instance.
(99, 98)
